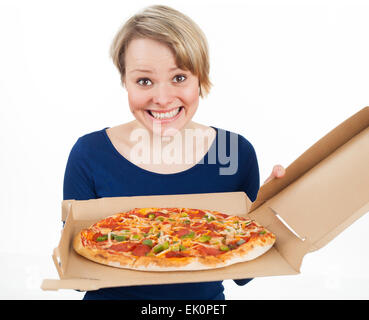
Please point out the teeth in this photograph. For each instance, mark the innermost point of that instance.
(166, 115)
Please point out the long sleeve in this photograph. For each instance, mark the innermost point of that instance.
(78, 180)
(252, 177)
(78, 183)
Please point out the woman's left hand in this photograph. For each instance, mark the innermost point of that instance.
(277, 172)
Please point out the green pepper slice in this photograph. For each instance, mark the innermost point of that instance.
(161, 247)
(120, 238)
(209, 218)
(148, 242)
(136, 237)
(190, 235)
(102, 238)
(204, 238)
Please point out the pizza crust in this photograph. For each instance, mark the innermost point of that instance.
(163, 264)
(246, 252)
(102, 256)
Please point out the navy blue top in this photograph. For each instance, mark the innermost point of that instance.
(96, 169)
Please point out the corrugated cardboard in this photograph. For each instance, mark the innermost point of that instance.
(323, 192)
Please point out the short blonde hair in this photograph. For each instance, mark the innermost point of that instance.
(171, 27)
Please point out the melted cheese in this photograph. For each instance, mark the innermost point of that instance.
(109, 238)
(234, 228)
(162, 253)
(147, 210)
(208, 214)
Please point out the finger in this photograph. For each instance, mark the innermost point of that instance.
(278, 171)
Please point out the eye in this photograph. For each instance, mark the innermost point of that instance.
(143, 82)
(180, 76)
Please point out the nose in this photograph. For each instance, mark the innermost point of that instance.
(163, 94)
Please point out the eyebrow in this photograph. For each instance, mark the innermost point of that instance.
(149, 71)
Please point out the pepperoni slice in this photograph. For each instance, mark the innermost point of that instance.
(182, 232)
(205, 251)
(109, 223)
(175, 254)
(254, 235)
(141, 250)
(123, 247)
(145, 229)
(195, 213)
(214, 227)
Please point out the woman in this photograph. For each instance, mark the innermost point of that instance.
(162, 57)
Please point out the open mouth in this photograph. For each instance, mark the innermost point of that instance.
(165, 115)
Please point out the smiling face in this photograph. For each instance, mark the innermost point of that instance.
(159, 93)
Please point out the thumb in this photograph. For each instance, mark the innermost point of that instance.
(278, 171)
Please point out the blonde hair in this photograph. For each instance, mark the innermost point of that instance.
(171, 27)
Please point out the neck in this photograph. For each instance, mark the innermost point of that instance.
(192, 144)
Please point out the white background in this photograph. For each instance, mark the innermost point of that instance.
(284, 72)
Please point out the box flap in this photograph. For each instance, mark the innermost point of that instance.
(339, 228)
(325, 198)
(66, 205)
(326, 188)
(316, 153)
(76, 284)
(288, 244)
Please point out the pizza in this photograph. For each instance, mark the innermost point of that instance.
(169, 239)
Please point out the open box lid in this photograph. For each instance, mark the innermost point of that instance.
(327, 187)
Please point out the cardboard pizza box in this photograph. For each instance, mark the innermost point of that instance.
(305, 209)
